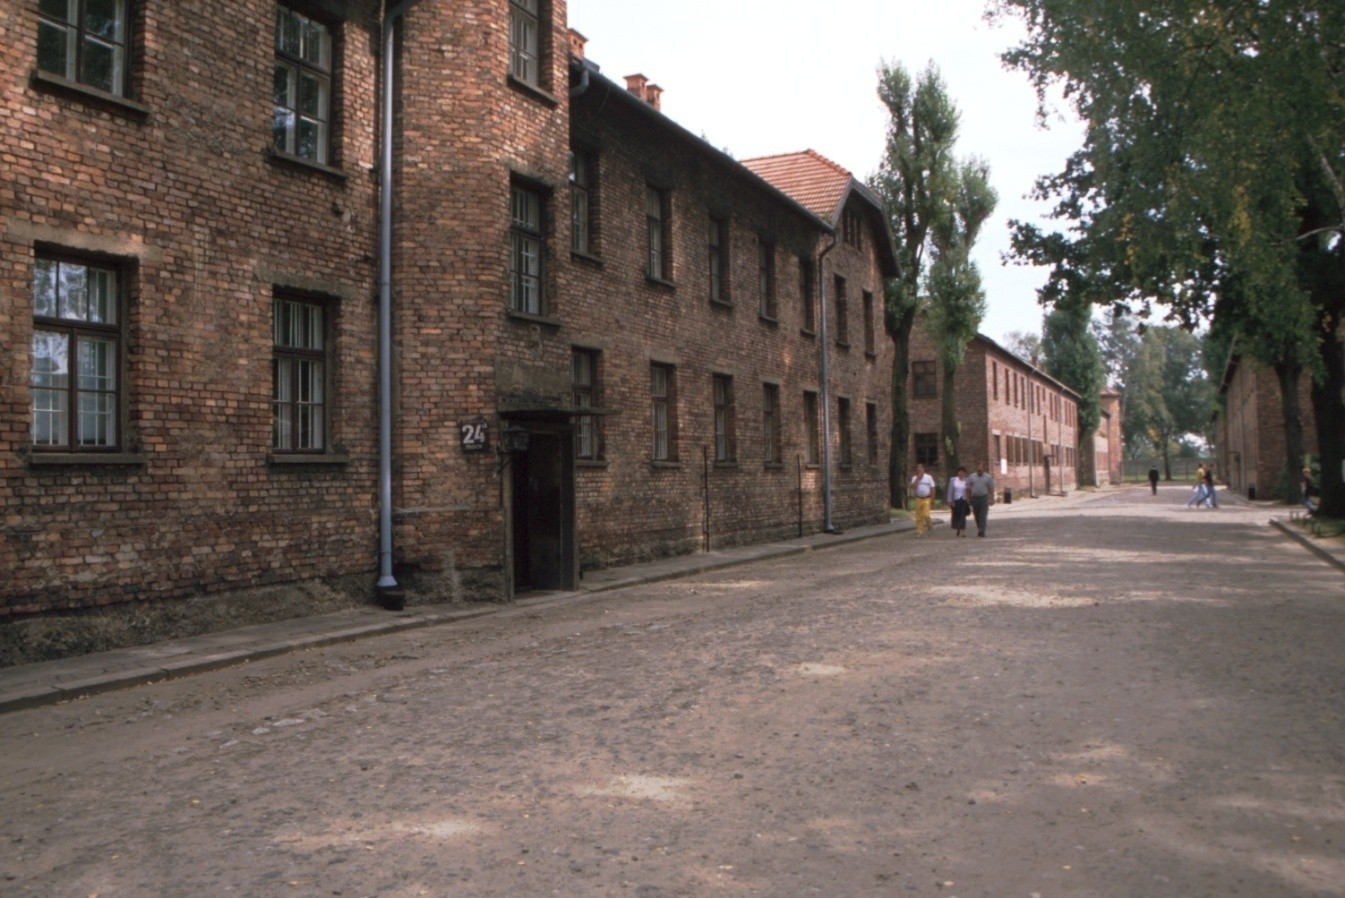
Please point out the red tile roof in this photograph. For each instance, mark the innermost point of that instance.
(813, 180)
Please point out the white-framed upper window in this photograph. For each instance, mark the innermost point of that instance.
(84, 41)
(525, 40)
(76, 379)
(526, 247)
(301, 125)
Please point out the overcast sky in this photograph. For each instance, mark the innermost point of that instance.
(756, 79)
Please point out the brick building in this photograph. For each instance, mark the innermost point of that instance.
(204, 277)
(1249, 428)
(1108, 455)
(1014, 416)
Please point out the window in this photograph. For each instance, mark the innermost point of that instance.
(994, 380)
(843, 424)
(303, 87)
(525, 41)
(842, 314)
(77, 347)
(663, 397)
(927, 450)
(766, 278)
(807, 294)
(587, 433)
(924, 380)
(726, 449)
(772, 448)
(658, 215)
(718, 259)
(298, 376)
(813, 445)
(999, 451)
(870, 342)
(851, 230)
(871, 429)
(583, 220)
(84, 41)
(525, 257)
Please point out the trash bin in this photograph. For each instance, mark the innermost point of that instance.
(1008, 496)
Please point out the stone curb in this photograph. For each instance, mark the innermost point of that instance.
(1336, 559)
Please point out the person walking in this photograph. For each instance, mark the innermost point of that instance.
(1153, 480)
(981, 494)
(1210, 498)
(922, 486)
(1198, 491)
(1307, 491)
(956, 498)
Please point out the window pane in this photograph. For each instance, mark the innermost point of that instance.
(74, 296)
(288, 32)
(44, 288)
(316, 45)
(51, 360)
(97, 367)
(104, 18)
(308, 142)
(102, 296)
(49, 417)
(97, 419)
(312, 96)
(53, 50)
(58, 9)
(282, 85)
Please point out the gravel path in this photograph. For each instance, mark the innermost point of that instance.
(1108, 696)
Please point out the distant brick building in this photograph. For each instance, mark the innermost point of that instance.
(1014, 416)
(1249, 428)
(1108, 453)
(194, 279)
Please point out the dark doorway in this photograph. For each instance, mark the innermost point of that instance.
(542, 517)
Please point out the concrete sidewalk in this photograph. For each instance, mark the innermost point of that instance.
(48, 682)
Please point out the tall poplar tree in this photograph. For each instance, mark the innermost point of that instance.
(918, 182)
(956, 298)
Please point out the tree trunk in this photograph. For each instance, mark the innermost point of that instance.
(1330, 419)
(1288, 376)
(1167, 455)
(952, 428)
(901, 418)
(1085, 472)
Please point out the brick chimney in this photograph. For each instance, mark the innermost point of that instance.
(577, 42)
(640, 86)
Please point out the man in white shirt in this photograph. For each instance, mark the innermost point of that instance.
(922, 487)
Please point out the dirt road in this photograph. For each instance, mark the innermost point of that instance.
(1105, 697)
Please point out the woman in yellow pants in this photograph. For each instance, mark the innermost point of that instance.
(922, 487)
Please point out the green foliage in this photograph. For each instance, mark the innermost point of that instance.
(1210, 179)
(935, 208)
(1170, 398)
(1071, 354)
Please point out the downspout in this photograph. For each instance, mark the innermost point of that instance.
(827, 526)
(386, 581)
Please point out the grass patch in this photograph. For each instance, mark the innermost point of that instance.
(1325, 528)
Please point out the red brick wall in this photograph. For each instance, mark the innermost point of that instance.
(177, 188)
(1252, 429)
(983, 415)
(630, 507)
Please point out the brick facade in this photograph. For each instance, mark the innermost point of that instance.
(1014, 416)
(173, 184)
(1250, 445)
